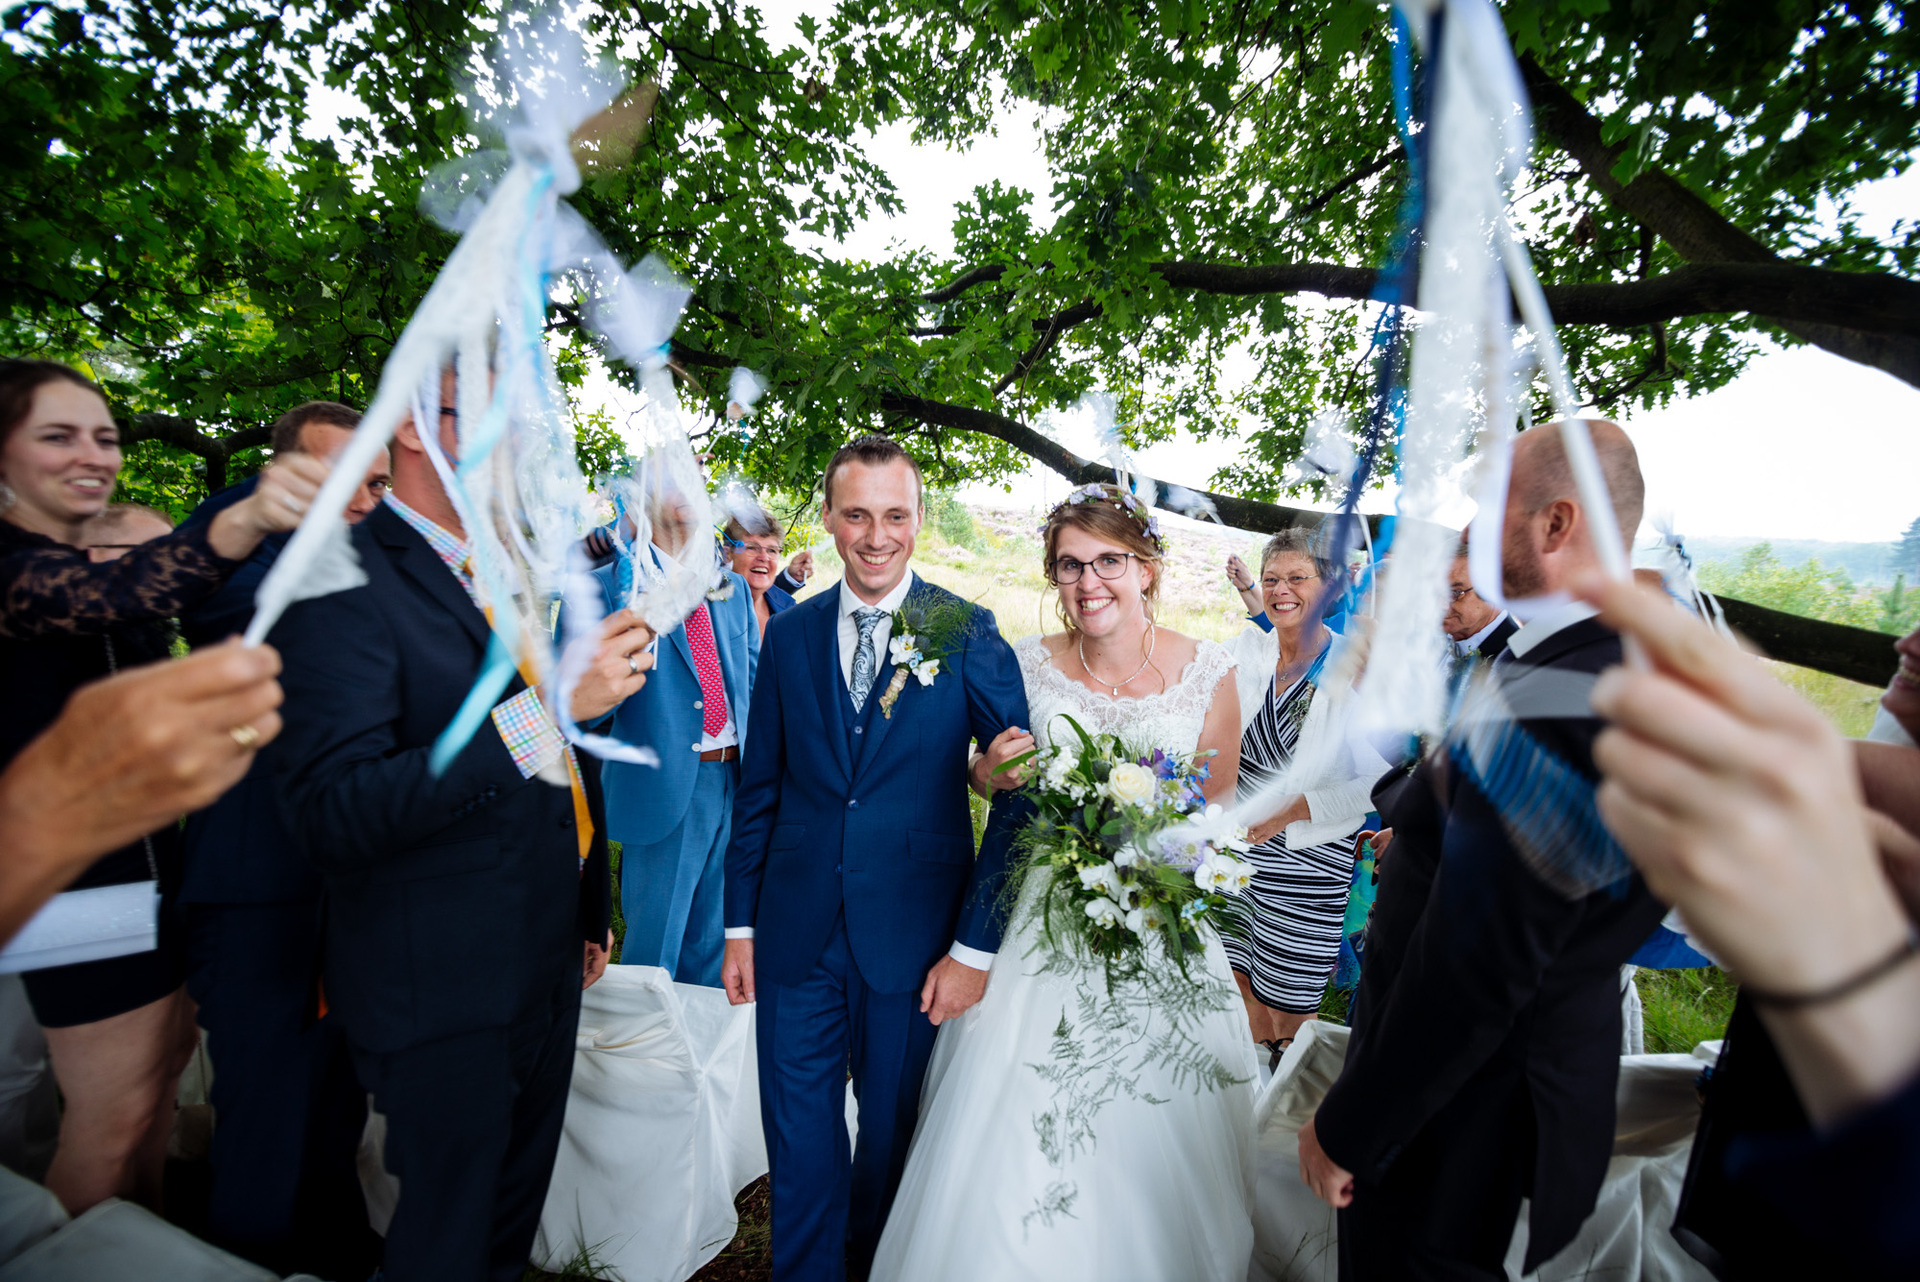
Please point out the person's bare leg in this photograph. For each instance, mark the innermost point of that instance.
(150, 1162)
(116, 1076)
(1259, 1014)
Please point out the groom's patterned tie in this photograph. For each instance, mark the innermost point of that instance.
(868, 619)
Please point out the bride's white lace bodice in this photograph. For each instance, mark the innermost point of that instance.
(1170, 720)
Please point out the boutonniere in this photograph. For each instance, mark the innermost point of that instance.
(922, 637)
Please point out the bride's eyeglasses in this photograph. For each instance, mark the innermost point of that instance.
(1108, 565)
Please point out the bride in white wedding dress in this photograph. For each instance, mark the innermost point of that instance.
(1030, 1161)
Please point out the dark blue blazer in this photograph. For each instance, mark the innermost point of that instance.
(453, 903)
(874, 823)
(778, 600)
(238, 849)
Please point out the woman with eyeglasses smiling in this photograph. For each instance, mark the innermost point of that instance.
(755, 557)
(1303, 854)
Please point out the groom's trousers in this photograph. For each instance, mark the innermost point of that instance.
(830, 1198)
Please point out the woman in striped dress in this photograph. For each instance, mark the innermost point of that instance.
(1303, 853)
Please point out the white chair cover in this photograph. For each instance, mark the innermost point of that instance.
(663, 1129)
(114, 1242)
(29, 1100)
(1626, 1239)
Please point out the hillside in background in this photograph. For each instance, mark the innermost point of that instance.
(990, 554)
(1864, 563)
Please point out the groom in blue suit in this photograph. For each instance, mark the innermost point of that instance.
(857, 914)
(673, 823)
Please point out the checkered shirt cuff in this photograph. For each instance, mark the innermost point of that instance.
(528, 732)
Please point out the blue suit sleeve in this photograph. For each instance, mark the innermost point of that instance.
(756, 803)
(996, 699)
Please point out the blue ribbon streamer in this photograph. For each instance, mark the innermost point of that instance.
(1547, 808)
(1394, 287)
(495, 673)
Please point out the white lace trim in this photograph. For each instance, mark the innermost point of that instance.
(1170, 718)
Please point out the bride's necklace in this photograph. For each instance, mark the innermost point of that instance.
(1153, 639)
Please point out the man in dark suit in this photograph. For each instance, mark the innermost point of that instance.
(1474, 626)
(856, 912)
(1483, 1059)
(288, 1109)
(462, 907)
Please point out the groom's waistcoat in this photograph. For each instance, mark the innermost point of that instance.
(866, 815)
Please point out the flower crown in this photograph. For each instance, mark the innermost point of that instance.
(1113, 496)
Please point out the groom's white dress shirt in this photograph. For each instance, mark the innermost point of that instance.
(1548, 622)
(848, 633)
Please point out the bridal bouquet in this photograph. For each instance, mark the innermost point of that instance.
(1131, 863)
(1131, 849)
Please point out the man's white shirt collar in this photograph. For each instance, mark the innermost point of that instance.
(850, 601)
(1473, 642)
(1546, 623)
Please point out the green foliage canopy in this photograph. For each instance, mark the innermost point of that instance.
(1225, 175)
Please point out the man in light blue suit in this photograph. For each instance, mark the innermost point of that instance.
(858, 916)
(673, 822)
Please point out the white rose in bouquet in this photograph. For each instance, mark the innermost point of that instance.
(1130, 784)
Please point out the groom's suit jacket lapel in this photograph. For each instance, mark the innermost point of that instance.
(823, 661)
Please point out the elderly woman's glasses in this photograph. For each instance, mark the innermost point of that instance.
(1294, 581)
(1108, 565)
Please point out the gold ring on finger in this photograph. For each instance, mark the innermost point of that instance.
(246, 736)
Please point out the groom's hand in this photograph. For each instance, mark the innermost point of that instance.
(951, 988)
(1008, 744)
(736, 971)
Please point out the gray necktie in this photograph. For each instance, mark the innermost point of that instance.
(867, 618)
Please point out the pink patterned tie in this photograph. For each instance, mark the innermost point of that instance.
(706, 664)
